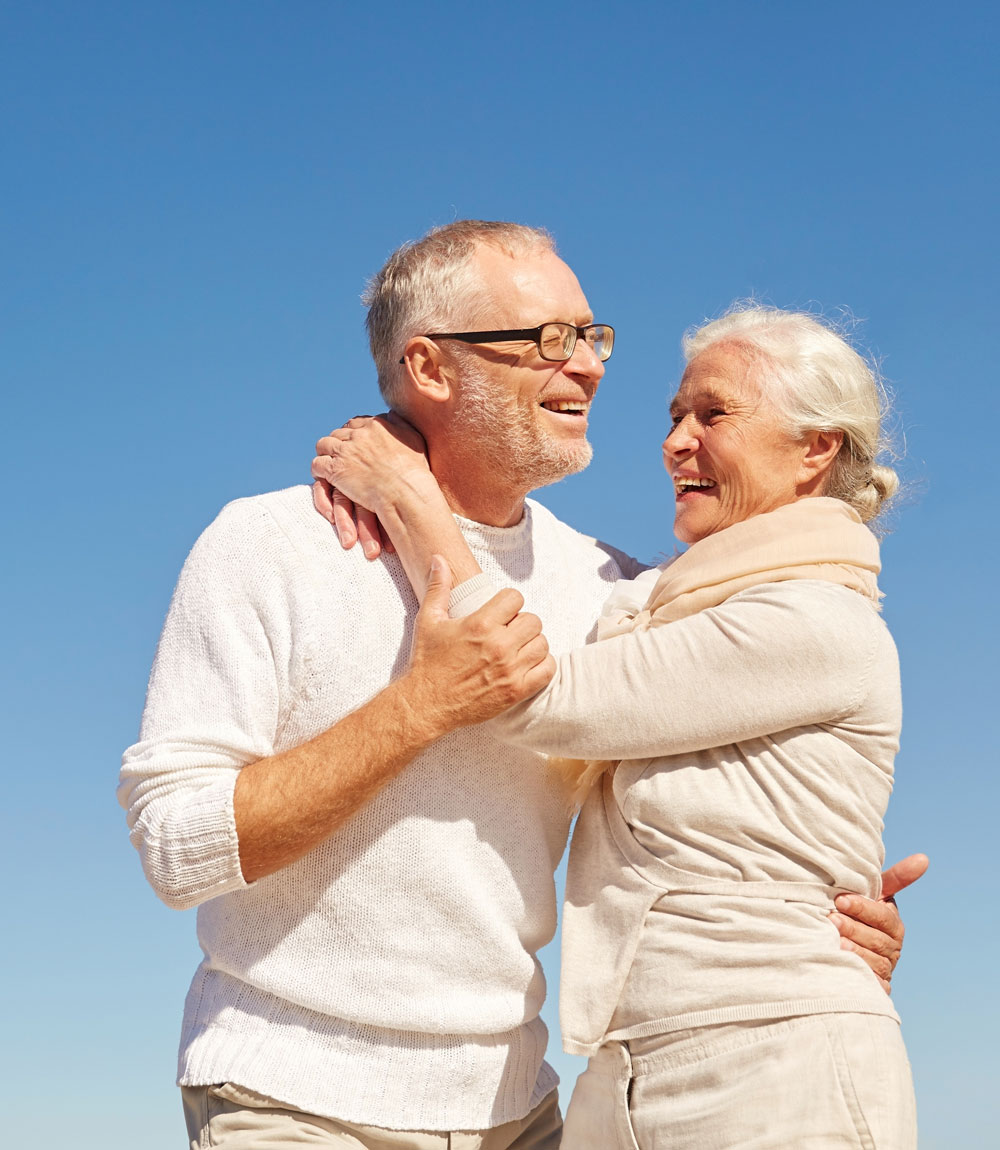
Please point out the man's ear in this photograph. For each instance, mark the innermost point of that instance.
(427, 372)
(820, 449)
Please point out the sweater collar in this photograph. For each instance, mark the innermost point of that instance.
(483, 536)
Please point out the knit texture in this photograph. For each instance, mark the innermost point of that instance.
(761, 734)
(388, 977)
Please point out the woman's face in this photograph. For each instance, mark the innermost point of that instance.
(727, 453)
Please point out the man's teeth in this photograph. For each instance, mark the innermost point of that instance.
(565, 405)
(684, 483)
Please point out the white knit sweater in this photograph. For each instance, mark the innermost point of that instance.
(389, 977)
(759, 737)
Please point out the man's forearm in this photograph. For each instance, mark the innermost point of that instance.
(289, 803)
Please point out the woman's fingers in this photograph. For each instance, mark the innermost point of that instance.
(343, 520)
(368, 532)
(323, 499)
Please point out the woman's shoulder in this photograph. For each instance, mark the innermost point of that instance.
(820, 597)
(838, 612)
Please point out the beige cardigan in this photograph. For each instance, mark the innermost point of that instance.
(760, 736)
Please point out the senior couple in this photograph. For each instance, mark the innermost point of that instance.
(361, 763)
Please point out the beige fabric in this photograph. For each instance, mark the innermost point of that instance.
(815, 1083)
(757, 740)
(817, 538)
(813, 539)
(230, 1117)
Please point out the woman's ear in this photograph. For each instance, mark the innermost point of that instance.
(820, 449)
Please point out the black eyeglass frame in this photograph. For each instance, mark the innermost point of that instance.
(533, 333)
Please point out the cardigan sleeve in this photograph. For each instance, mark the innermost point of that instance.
(212, 706)
(772, 657)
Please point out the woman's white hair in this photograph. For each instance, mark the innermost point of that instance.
(432, 285)
(818, 382)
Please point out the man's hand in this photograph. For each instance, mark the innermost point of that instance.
(370, 450)
(872, 928)
(465, 671)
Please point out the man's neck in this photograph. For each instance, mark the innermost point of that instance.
(483, 500)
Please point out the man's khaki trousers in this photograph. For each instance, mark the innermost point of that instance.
(228, 1117)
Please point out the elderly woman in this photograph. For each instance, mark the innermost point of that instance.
(741, 718)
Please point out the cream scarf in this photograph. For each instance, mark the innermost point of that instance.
(814, 538)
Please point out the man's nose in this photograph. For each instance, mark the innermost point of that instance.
(584, 364)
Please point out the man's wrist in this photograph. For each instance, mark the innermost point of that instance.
(418, 719)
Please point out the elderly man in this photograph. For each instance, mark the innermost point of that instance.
(371, 895)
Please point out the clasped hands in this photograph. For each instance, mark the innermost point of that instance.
(360, 466)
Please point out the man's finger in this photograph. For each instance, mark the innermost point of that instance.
(435, 604)
(540, 675)
(883, 936)
(503, 607)
(535, 651)
(902, 874)
(878, 964)
(524, 627)
(860, 913)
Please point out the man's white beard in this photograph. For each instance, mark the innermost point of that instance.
(521, 453)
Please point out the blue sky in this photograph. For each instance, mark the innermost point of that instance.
(194, 194)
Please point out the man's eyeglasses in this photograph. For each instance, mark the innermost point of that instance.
(555, 341)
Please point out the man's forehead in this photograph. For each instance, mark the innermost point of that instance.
(537, 285)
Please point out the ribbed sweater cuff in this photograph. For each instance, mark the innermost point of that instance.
(470, 596)
(194, 855)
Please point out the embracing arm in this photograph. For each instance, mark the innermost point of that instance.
(770, 658)
(458, 675)
(872, 928)
(210, 806)
(376, 470)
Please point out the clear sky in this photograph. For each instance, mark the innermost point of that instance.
(193, 195)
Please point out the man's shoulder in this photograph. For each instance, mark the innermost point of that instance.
(287, 513)
(584, 548)
(290, 503)
(258, 532)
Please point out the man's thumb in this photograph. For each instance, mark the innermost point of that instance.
(438, 588)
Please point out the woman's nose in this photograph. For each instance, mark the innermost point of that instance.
(680, 440)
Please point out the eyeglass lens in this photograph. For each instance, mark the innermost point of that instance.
(556, 341)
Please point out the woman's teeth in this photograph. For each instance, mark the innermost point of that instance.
(685, 483)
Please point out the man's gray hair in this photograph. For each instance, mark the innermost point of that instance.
(818, 382)
(431, 285)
